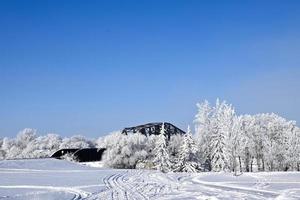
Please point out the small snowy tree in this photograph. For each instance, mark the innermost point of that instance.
(161, 160)
(187, 159)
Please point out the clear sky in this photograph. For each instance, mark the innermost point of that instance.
(91, 67)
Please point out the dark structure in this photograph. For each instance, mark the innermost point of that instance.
(154, 128)
(81, 155)
(88, 154)
(58, 154)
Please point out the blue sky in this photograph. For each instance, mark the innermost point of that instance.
(91, 67)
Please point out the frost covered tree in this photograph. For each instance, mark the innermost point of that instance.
(174, 146)
(161, 155)
(275, 141)
(222, 121)
(233, 144)
(293, 150)
(187, 158)
(246, 145)
(25, 136)
(23, 139)
(125, 151)
(76, 141)
(14, 148)
(99, 143)
(2, 152)
(203, 128)
(43, 146)
(7, 146)
(213, 127)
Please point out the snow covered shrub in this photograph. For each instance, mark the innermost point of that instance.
(69, 157)
(144, 164)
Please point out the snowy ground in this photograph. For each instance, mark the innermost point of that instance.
(56, 179)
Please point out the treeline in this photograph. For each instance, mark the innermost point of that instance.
(222, 141)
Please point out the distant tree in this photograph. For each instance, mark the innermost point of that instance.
(76, 141)
(43, 146)
(25, 136)
(23, 139)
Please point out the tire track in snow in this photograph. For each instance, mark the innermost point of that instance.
(255, 193)
(115, 190)
(129, 185)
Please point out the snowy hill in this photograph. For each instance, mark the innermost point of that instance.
(58, 179)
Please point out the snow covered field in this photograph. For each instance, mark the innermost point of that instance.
(57, 179)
